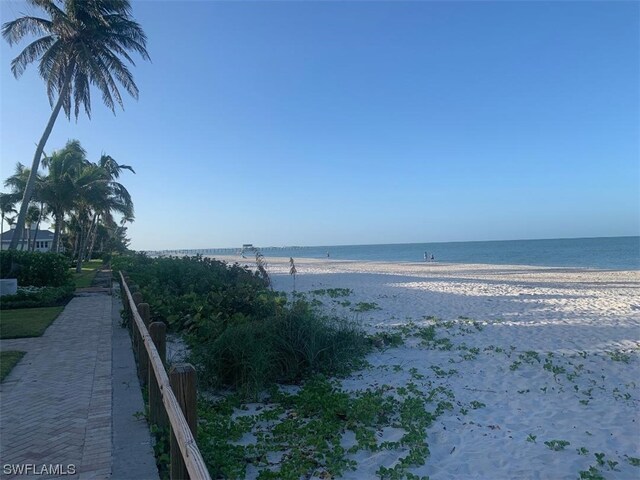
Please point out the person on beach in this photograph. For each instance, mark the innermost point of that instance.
(426, 257)
(432, 259)
(327, 254)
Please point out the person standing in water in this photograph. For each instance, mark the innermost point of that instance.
(426, 257)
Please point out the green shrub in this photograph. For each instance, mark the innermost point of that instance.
(35, 268)
(38, 297)
(196, 294)
(285, 348)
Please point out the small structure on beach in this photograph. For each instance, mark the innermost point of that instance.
(248, 247)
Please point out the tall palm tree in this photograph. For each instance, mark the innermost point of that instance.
(100, 196)
(118, 199)
(81, 44)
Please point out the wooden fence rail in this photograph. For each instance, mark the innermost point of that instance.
(183, 432)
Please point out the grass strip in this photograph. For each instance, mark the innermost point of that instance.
(8, 360)
(27, 322)
(85, 278)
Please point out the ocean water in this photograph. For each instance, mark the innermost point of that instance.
(606, 253)
(609, 253)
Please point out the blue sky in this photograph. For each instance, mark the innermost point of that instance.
(320, 123)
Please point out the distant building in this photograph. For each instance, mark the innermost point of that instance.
(44, 239)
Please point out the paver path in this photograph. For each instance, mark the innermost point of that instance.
(55, 406)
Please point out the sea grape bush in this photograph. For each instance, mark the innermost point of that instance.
(186, 292)
(35, 268)
(241, 333)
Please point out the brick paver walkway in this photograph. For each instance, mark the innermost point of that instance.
(55, 406)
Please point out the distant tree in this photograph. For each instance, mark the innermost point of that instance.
(7, 207)
(33, 217)
(17, 183)
(81, 44)
(61, 189)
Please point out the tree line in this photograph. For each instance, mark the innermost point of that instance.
(81, 197)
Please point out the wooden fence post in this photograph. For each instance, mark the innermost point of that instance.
(157, 414)
(182, 378)
(135, 334)
(143, 356)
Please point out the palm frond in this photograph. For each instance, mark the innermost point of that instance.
(17, 29)
(30, 54)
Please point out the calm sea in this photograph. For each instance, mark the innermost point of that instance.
(616, 253)
(607, 253)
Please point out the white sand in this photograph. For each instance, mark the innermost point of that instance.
(574, 319)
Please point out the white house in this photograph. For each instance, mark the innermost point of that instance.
(44, 239)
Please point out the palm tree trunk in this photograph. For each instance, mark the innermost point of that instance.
(56, 232)
(84, 251)
(35, 233)
(94, 236)
(83, 247)
(28, 191)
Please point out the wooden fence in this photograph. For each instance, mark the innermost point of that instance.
(172, 398)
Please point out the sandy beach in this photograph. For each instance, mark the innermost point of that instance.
(530, 355)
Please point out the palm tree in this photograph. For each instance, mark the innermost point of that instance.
(101, 195)
(18, 183)
(117, 200)
(60, 189)
(33, 217)
(7, 203)
(81, 44)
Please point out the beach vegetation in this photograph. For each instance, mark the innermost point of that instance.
(440, 372)
(634, 461)
(557, 445)
(476, 404)
(515, 365)
(555, 369)
(532, 438)
(582, 451)
(249, 355)
(333, 292)
(592, 474)
(619, 356)
(385, 340)
(8, 360)
(241, 334)
(302, 434)
(71, 40)
(361, 307)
